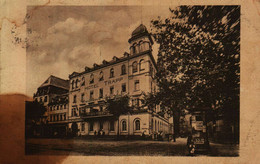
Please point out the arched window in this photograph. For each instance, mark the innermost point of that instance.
(137, 124)
(101, 76)
(134, 67)
(134, 49)
(111, 72)
(141, 65)
(123, 69)
(91, 80)
(123, 125)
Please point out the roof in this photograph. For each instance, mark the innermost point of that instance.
(57, 82)
(139, 30)
(120, 59)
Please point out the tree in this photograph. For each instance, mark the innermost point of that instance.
(117, 106)
(34, 112)
(198, 59)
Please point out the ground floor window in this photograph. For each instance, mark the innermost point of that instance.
(137, 124)
(123, 125)
(112, 127)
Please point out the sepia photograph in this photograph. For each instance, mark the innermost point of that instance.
(133, 80)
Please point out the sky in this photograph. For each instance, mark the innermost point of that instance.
(64, 39)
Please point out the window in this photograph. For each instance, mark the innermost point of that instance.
(91, 95)
(77, 82)
(41, 99)
(45, 99)
(134, 67)
(151, 70)
(101, 93)
(74, 99)
(137, 85)
(60, 107)
(64, 106)
(141, 65)
(83, 127)
(72, 84)
(101, 108)
(50, 118)
(91, 125)
(60, 117)
(83, 81)
(101, 76)
(82, 97)
(111, 126)
(137, 124)
(123, 69)
(91, 80)
(123, 88)
(57, 107)
(123, 125)
(112, 90)
(134, 49)
(100, 125)
(64, 116)
(50, 108)
(111, 72)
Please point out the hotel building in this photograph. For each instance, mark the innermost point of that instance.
(131, 74)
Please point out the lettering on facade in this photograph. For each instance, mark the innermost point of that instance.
(92, 86)
(108, 82)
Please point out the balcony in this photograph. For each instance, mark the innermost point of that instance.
(94, 114)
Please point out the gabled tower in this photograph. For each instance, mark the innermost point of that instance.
(140, 41)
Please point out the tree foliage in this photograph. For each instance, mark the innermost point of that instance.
(117, 106)
(34, 111)
(198, 58)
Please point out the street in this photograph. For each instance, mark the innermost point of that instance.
(120, 148)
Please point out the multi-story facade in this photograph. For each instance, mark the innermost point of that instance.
(131, 74)
(78, 106)
(53, 94)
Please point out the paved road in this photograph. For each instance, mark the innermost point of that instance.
(118, 148)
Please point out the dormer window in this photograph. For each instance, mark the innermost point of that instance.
(111, 72)
(101, 76)
(95, 65)
(115, 58)
(91, 79)
(105, 62)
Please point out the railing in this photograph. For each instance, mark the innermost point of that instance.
(98, 113)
